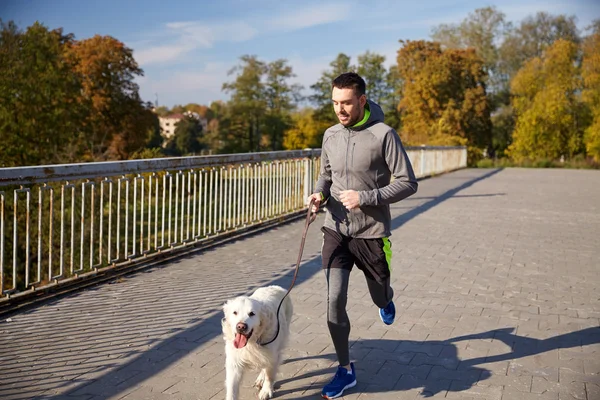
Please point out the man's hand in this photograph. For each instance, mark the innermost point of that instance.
(350, 199)
(316, 203)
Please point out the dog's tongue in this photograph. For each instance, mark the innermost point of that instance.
(240, 341)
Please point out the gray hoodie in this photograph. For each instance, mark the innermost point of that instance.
(364, 159)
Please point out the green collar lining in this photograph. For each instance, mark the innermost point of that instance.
(365, 118)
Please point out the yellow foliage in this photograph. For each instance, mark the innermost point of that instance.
(307, 131)
(444, 98)
(592, 140)
(591, 93)
(546, 104)
(119, 120)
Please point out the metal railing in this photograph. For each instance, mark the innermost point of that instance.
(59, 222)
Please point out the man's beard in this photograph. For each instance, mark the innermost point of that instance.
(350, 122)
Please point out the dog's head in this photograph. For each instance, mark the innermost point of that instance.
(242, 320)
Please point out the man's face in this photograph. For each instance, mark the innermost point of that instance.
(347, 106)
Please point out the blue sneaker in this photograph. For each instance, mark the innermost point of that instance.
(342, 380)
(388, 314)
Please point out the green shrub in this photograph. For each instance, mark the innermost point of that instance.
(543, 163)
(485, 163)
(577, 162)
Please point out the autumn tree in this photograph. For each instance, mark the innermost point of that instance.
(532, 37)
(444, 98)
(306, 131)
(41, 119)
(546, 101)
(482, 30)
(591, 91)
(119, 121)
(504, 49)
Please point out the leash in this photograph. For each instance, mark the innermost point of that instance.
(310, 217)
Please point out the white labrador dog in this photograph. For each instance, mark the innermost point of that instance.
(248, 322)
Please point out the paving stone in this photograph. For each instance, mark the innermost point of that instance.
(497, 291)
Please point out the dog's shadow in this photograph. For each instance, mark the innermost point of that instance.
(430, 367)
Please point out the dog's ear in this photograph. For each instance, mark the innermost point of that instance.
(228, 333)
(225, 309)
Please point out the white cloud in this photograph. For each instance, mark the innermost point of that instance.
(311, 16)
(158, 54)
(206, 35)
(189, 36)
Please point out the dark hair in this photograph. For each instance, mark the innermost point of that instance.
(350, 80)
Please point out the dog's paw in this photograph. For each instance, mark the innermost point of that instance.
(260, 380)
(265, 393)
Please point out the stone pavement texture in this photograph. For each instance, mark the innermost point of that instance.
(497, 279)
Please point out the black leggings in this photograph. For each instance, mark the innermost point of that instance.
(339, 255)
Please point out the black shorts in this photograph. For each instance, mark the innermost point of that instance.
(372, 256)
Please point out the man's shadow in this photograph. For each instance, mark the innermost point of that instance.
(431, 366)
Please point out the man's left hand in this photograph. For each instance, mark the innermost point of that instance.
(350, 199)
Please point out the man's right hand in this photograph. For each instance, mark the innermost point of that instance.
(316, 202)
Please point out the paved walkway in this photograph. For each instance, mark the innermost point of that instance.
(497, 279)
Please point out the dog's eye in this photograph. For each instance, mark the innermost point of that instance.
(235, 313)
(251, 314)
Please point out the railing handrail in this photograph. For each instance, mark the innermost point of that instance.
(58, 172)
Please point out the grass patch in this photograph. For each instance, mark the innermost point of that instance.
(577, 162)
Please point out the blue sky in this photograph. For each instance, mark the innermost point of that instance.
(186, 48)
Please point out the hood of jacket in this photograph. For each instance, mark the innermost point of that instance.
(376, 115)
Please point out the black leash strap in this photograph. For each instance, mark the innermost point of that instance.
(310, 217)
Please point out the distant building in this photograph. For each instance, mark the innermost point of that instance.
(168, 123)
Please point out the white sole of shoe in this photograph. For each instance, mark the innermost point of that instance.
(348, 386)
(381, 318)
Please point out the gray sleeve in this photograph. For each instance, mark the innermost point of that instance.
(324, 182)
(404, 182)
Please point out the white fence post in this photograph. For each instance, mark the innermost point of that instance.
(422, 160)
(308, 174)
